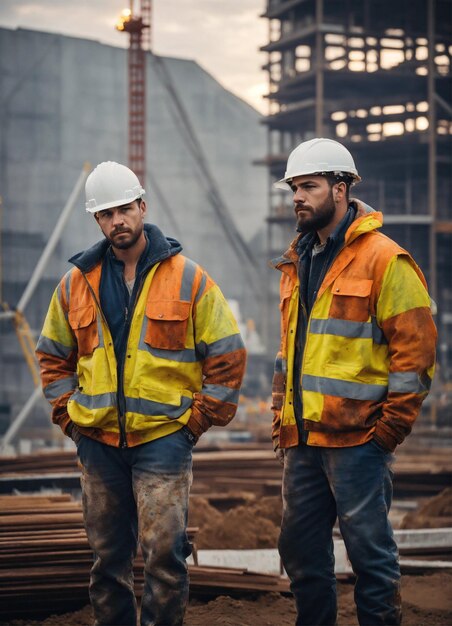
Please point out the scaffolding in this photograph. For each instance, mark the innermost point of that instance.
(375, 75)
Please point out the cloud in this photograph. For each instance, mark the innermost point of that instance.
(224, 37)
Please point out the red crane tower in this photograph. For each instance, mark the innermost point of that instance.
(138, 25)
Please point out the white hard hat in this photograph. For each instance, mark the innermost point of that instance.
(109, 185)
(318, 156)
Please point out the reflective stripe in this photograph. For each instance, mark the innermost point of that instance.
(222, 346)
(343, 388)
(187, 280)
(149, 407)
(407, 382)
(68, 285)
(98, 401)
(67, 281)
(59, 300)
(181, 356)
(60, 387)
(348, 328)
(133, 405)
(54, 348)
(219, 392)
(342, 328)
(201, 287)
(202, 351)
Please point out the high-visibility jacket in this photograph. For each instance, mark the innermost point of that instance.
(369, 350)
(184, 361)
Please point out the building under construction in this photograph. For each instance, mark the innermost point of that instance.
(375, 75)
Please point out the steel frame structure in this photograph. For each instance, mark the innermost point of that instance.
(376, 76)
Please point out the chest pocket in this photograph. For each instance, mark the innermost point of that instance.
(351, 299)
(167, 322)
(84, 324)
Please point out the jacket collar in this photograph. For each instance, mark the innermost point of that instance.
(366, 219)
(159, 248)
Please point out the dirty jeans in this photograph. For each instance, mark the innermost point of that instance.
(139, 493)
(353, 485)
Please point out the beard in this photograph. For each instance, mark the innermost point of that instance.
(316, 219)
(127, 241)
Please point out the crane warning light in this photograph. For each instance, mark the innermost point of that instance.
(125, 16)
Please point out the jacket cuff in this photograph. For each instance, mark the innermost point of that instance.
(198, 423)
(68, 429)
(384, 437)
(73, 432)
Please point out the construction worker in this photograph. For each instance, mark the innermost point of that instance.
(356, 361)
(139, 354)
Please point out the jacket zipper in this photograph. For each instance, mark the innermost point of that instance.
(121, 419)
(120, 403)
(307, 322)
(303, 318)
(121, 396)
(120, 400)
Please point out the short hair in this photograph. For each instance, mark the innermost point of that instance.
(333, 178)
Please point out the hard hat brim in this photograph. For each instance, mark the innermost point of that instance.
(284, 185)
(111, 205)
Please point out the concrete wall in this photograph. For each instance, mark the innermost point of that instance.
(63, 101)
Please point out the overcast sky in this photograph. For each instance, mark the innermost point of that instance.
(223, 36)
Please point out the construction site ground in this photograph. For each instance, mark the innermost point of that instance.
(241, 519)
(427, 601)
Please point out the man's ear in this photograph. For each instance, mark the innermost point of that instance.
(143, 208)
(340, 191)
(96, 217)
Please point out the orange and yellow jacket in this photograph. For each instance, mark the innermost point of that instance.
(184, 361)
(369, 351)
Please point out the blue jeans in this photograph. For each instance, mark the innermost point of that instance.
(353, 485)
(130, 495)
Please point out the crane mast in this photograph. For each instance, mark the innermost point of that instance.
(138, 26)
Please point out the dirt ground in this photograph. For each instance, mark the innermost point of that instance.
(427, 601)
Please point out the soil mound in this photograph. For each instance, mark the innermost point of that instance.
(435, 513)
(254, 525)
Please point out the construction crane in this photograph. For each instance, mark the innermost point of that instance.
(138, 25)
